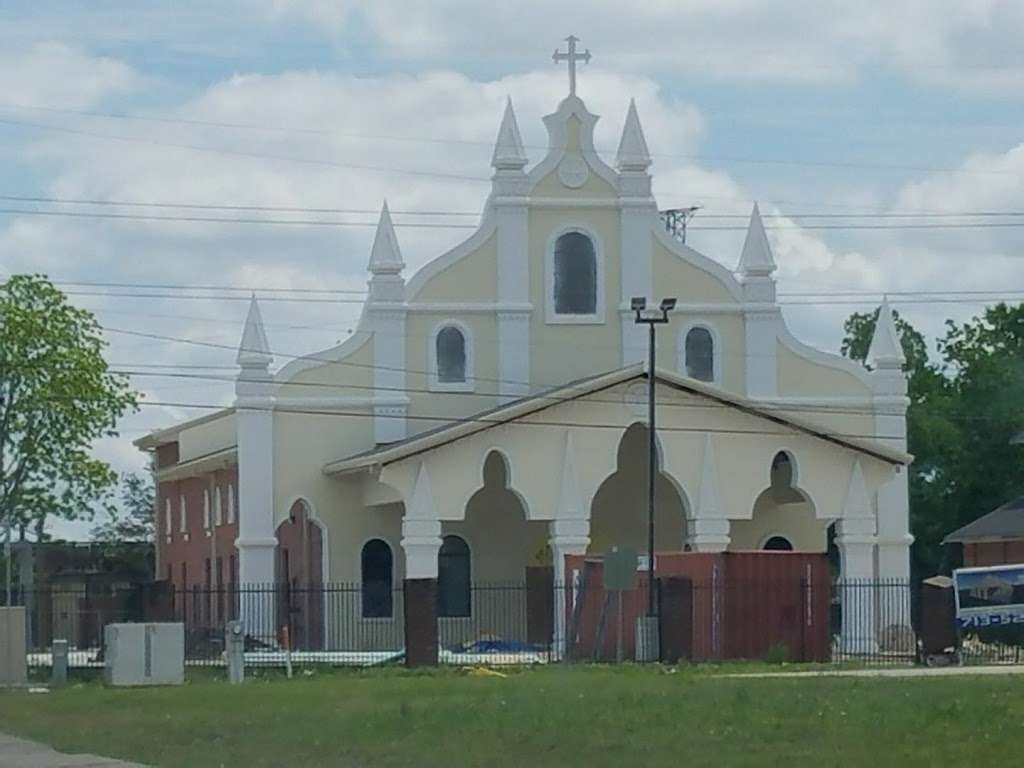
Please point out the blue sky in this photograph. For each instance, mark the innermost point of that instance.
(807, 107)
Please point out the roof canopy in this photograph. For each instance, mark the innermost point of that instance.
(1006, 522)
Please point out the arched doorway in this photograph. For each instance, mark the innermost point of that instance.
(299, 575)
(618, 514)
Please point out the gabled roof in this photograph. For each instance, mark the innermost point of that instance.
(503, 414)
(1005, 522)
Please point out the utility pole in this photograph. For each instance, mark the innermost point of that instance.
(676, 219)
(651, 318)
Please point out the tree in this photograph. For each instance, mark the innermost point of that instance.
(57, 396)
(133, 523)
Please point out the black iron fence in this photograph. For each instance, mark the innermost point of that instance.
(877, 622)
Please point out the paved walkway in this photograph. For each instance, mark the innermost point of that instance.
(19, 753)
(1007, 669)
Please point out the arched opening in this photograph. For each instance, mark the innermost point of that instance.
(376, 569)
(575, 275)
(783, 514)
(618, 514)
(453, 577)
(450, 348)
(699, 354)
(299, 571)
(777, 544)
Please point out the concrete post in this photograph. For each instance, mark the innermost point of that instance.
(234, 651)
(59, 658)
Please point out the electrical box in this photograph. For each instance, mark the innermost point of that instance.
(12, 647)
(144, 654)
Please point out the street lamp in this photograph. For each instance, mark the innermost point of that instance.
(651, 318)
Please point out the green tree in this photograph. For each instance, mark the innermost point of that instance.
(57, 396)
(133, 522)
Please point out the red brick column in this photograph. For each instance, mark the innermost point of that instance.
(420, 613)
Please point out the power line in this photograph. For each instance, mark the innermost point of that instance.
(705, 214)
(431, 225)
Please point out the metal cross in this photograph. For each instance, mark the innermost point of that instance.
(572, 57)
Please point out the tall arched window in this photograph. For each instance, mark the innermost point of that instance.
(575, 275)
(450, 348)
(376, 568)
(453, 588)
(699, 354)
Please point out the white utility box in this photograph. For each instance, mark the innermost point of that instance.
(144, 654)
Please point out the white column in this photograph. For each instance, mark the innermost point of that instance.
(636, 262)
(512, 233)
(568, 537)
(254, 424)
(707, 528)
(421, 530)
(760, 334)
(856, 538)
(389, 363)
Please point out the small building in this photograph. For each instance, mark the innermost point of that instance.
(993, 539)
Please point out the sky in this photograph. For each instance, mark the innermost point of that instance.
(874, 114)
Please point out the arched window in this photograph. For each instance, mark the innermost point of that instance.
(450, 347)
(778, 544)
(575, 275)
(453, 591)
(699, 354)
(376, 568)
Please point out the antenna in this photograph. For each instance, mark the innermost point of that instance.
(676, 220)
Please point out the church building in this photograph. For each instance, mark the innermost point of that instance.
(489, 412)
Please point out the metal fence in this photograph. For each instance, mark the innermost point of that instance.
(875, 622)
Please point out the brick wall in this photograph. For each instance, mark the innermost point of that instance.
(994, 553)
(199, 555)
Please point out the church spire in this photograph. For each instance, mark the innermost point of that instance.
(385, 257)
(633, 154)
(509, 154)
(885, 350)
(254, 351)
(756, 259)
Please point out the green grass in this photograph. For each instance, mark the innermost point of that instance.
(557, 716)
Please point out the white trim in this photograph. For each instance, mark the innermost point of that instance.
(348, 347)
(468, 384)
(231, 503)
(698, 260)
(168, 526)
(218, 506)
(206, 509)
(182, 514)
(716, 350)
(558, 139)
(826, 359)
(550, 316)
(435, 266)
(482, 307)
(366, 402)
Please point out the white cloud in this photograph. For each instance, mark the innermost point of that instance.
(940, 42)
(50, 74)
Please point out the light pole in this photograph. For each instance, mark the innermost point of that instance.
(651, 318)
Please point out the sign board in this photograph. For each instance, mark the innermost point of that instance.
(989, 597)
(620, 568)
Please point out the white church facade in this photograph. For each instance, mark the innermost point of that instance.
(489, 410)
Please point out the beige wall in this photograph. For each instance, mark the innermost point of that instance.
(206, 438)
(474, 277)
(799, 376)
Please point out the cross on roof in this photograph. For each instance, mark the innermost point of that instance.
(572, 57)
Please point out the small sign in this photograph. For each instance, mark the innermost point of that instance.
(620, 568)
(989, 597)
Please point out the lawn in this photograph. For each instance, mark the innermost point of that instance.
(556, 716)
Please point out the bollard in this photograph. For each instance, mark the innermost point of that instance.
(59, 656)
(234, 650)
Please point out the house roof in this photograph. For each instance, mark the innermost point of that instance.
(170, 434)
(517, 409)
(1005, 522)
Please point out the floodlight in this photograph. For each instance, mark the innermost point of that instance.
(638, 303)
(667, 305)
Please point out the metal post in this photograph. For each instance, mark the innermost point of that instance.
(652, 447)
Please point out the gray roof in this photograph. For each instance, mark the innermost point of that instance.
(1006, 522)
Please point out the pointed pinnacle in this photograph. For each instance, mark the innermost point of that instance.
(756, 258)
(509, 153)
(633, 154)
